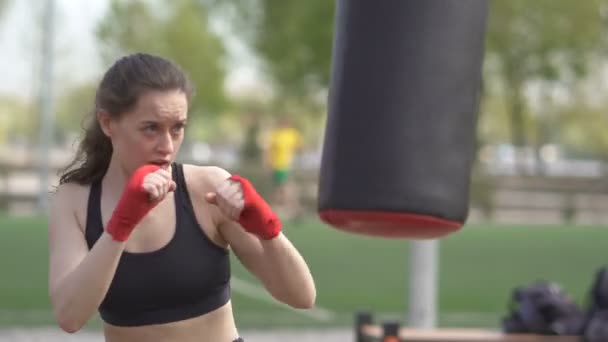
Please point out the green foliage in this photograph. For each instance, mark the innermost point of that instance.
(584, 132)
(17, 119)
(297, 37)
(293, 39)
(542, 41)
(73, 108)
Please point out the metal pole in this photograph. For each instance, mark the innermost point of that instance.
(422, 313)
(46, 103)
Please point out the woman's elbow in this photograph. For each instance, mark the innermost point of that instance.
(67, 324)
(305, 300)
(303, 304)
(65, 321)
(69, 328)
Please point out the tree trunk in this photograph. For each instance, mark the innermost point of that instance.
(518, 123)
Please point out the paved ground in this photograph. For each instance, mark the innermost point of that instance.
(53, 335)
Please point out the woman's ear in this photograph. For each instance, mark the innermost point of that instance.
(105, 120)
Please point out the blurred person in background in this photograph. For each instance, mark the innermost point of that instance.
(144, 240)
(284, 142)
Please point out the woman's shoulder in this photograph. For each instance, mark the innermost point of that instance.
(204, 176)
(201, 180)
(70, 199)
(70, 192)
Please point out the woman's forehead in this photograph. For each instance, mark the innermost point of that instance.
(162, 105)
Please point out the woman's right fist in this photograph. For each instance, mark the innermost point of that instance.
(148, 185)
(158, 184)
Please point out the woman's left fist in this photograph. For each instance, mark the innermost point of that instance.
(228, 196)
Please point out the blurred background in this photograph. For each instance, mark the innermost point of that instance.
(539, 192)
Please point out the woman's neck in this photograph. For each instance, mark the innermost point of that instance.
(116, 177)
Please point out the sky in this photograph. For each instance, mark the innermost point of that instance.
(75, 43)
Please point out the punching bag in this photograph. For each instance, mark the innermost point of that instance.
(402, 113)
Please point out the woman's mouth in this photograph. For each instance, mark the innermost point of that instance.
(162, 163)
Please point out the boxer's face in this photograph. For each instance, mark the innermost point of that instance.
(152, 132)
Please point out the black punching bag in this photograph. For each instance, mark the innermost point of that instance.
(403, 101)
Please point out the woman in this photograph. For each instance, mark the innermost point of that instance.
(145, 240)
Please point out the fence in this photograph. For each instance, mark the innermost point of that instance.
(498, 198)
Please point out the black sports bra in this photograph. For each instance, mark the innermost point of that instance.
(188, 277)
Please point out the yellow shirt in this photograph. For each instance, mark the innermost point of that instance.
(283, 145)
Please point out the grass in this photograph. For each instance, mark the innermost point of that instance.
(479, 266)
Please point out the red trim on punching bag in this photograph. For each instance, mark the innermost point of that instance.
(389, 224)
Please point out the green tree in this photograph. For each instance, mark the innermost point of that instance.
(72, 108)
(179, 30)
(585, 130)
(296, 38)
(292, 38)
(17, 119)
(542, 41)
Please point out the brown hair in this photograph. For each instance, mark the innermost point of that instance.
(118, 92)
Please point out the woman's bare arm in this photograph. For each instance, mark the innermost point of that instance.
(275, 262)
(78, 278)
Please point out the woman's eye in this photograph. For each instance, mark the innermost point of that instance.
(179, 128)
(150, 129)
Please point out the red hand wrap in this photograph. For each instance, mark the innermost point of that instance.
(257, 217)
(133, 205)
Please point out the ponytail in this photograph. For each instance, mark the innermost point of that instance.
(92, 158)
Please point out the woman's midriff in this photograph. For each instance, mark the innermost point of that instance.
(216, 326)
